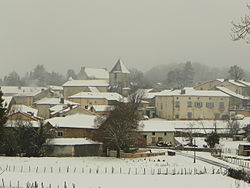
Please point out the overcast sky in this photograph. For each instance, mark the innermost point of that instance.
(63, 34)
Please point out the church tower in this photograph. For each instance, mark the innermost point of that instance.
(120, 78)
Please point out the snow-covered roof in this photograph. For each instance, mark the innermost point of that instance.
(192, 92)
(70, 141)
(14, 123)
(103, 108)
(52, 101)
(93, 89)
(231, 93)
(111, 96)
(7, 100)
(182, 125)
(151, 95)
(244, 82)
(23, 108)
(62, 108)
(236, 83)
(156, 125)
(220, 80)
(94, 73)
(120, 67)
(56, 88)
(86, 83)
(21, 91)
(74, 121)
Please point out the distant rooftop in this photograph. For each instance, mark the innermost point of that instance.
(94, 73)
(192, 92)
(21, 91)
(53, 101)
(86, 83)
(96, 95)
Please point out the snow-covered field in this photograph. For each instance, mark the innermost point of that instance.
(100, 172)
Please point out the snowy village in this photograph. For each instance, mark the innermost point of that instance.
(124, 94)
(103, 124)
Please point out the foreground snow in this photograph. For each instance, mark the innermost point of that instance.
(100, 172)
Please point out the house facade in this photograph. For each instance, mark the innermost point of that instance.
(154, 131)
(190, 104)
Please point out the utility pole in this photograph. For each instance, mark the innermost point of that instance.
(194, 151)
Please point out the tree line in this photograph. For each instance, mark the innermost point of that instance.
(175, 75)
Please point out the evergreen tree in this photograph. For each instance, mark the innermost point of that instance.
(212, 139)
(3, 120)
(188, 74)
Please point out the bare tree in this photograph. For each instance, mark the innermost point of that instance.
(233, 126)
(242, 29)
(119, 130)
(236, 72)
(136, 98)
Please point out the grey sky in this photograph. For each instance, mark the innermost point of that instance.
(63, 34)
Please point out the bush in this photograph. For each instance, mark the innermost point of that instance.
(212, 139)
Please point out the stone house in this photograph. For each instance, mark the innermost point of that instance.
(73, 87)
(154, 131)
(73, 126)
(26, 95)
(236, 101)
(190, 104)
(236, 86)
(23, 113)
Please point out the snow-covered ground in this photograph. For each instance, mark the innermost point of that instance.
(100, 172)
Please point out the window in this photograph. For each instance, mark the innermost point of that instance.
(161, 106)
(153, 133)
(177, 104)
(189, 104)
(165, 133)
(145, 136)
(177, 116)
(221, 105)
(209, 104)
(60, 133)
(198, 104)
(153, 140)
(189, 115)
